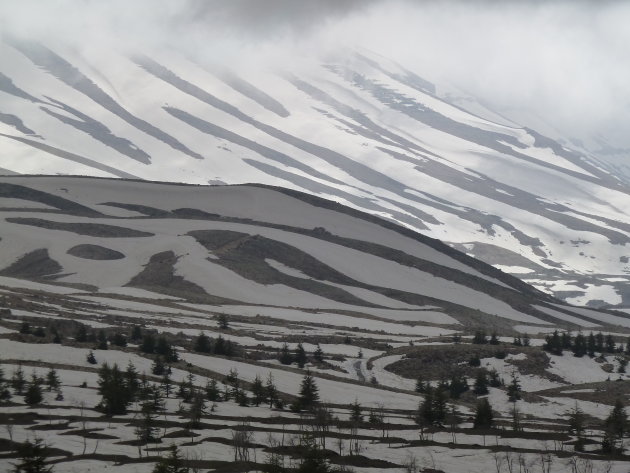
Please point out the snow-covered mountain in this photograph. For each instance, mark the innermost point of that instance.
(359, 130)
(253, 248)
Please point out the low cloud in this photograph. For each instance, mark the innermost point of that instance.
(563, 62)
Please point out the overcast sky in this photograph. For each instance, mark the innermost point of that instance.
(565, 61)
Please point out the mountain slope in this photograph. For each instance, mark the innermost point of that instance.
(359, 130)
(260, 247)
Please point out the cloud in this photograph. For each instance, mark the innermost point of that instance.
(563, 62)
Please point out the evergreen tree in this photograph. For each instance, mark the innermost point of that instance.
(309, 393)
(457, 385)
(119, 340)
(474, 361)
(577, 421)
(616, 428)
(34, 393)
(203, 344)
(52, 380)
(599, 342)
(173, 463)
(102, 341)
(18, 382)
(420, 386)
(32, 457)
(132, 382)
(166, 383)
(212, 391)
(526, 340)
(285, 355)
(580, 345)
(481, 383)
(480, 338)
(553, 343)
(318, 354)
(271, 392)
(426, 415)
(258, 391)
(355, 412)
(114, 391)
(148, 343)
(439, 406)
(514, 389)
(224, 323)
(197, 409)
(494, 380)
(591, 345)
(158, 367)
(25, 328)
(147, 430)
(136, 333)
(494, 339)
(39, 332)
(484, 418)
(565, 340)
(91, 359)
(219, 346)
(610, 344)
(300, 355)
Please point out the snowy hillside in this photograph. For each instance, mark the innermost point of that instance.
(203, 294)
(359, 130)
(258, 246)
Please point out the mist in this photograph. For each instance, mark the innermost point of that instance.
(561, 63)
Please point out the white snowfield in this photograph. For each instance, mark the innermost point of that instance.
(359, 130)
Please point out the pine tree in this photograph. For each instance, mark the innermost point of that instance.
(114, 391)
(219, 345)
(224, 323)
(318, 354)
(271, 392)
(514, 389)
(91, 359)
(212, 391)
(480, 338)
(158, 367)
(102, 340)
(285, 355)
(474, 361)
(32, 456)
(309, 393)
(580, 345)
(355, 412)
(166, 383)
(420, 386)
(136, 333)
(25, 328)
(52, 380)
(202, 344)
(591, 345)
(258, 391)
(616, 427)
(526, 340)
(610, 344)
(300, 355)
(599, 342)
(34, 393)
(553, 343)
(494, 339)
(565, 341)
(147, 431)
(197, 409)
(119, 340)
(18, 382)
(481, 383)
(148, 343)
(577, 420)
(171, 464)
(457, 385)
(81, 336)
(484, 418)
(426, 416)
